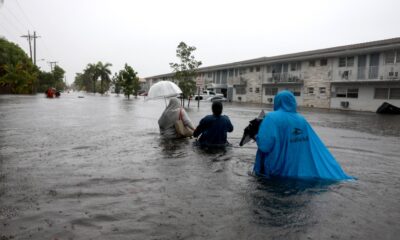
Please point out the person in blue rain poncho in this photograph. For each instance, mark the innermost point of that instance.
(289, 147)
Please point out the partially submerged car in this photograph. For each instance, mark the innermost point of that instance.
(217, 99)
(206, 94)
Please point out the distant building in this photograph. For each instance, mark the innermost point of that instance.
(354, 77)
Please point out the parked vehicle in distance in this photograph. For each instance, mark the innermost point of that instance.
(206, 94)
(217, 99)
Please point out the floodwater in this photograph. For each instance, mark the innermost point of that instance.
(96, 168)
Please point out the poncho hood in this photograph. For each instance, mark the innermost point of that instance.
(285, 101)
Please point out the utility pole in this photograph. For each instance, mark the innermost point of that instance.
(28, 37)
(34, 47)
(51, 64)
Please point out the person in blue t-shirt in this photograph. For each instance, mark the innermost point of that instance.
(289, 147)
(213, 129)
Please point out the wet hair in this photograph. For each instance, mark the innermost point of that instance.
(217, 108)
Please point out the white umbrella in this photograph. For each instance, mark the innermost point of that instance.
(163, 89)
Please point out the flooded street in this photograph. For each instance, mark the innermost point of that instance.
(96, 168)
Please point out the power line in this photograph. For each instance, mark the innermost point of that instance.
(15, 17)
(6, 30)
(12, 23)
(23, 13)
(30, 22)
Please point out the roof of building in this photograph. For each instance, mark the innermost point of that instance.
(320, 53)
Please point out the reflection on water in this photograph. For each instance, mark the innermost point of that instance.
(96, 167)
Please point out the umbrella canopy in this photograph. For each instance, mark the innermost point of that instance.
(163, 89)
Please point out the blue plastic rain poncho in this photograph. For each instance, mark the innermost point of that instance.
(289, 147)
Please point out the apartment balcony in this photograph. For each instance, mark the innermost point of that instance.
(240, 81)
(283, 78)
(376, 74)
(373, 72)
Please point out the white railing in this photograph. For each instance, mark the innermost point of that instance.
(283, 78)
(373, 72)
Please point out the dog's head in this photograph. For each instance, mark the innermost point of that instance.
(251, 130)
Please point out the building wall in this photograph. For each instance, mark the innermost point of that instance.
(321, 78)
(365, 100)
(318, 78)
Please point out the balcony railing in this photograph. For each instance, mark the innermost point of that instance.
(284, 78)
(361, 73)
(373, 72)
(239, 80)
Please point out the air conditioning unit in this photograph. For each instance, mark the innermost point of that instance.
(270, 100)
(393, 75)
(345, 75)
(344, 104)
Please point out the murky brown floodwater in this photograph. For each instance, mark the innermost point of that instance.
(96, 168)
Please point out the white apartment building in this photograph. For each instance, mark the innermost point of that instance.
(353, 77)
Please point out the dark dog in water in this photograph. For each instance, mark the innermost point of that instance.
(251, 130)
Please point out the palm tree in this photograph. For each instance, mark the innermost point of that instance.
(91, 70)
(104, 72)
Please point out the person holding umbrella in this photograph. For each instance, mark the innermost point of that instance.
(172, 113)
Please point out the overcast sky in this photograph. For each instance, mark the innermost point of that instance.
(145, 33)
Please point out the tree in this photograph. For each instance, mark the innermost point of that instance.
(17, 72)
(83, 81)
(185, 71)
(129, 81)
(58, 76)
(117, 83)
(92, 73)
(104, 72)
(54, 79)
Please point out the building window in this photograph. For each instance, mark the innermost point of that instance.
(230, 72)
(323, 62)
(381, 93)
(346, 61)
(347, 92)
(272, 91)
(311, 63)
(342, 62)
(398, 56)
(209, 75)
(387, 93)
(352, 93)
(322, 90)
(296, 91)
(257, 90)
(251, 69)
(394, 93)
(242, 71)
(341, 92)
(258, 68)
(250, 89)
(240, 90)
(295, 66)
(310, 90)
(390, 57)
(350, 61)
